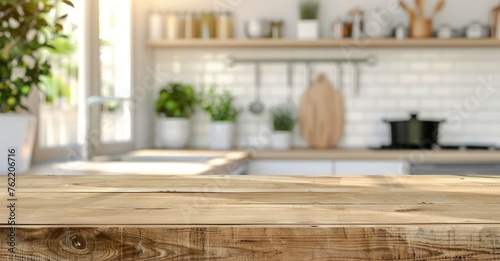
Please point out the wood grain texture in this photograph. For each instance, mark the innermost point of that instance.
(258, 243)
(120, 209)
(321, 118)
(255, 218)
(327, 43)
(480, 184)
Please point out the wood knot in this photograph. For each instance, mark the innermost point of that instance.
(78, 242)
(139, 250)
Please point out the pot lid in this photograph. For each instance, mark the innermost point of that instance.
(413, 118)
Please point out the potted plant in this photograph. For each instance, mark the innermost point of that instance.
(223, 115)
(174, 107)
(27, 30)
(308, 26)
(283, 124)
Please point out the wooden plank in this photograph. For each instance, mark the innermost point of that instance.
(324, 43)
(255, 218)
(413, 197)
(204, 209)
(135, 183)
(468, 242)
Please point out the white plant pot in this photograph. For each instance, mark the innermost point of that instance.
(16, 132)
(221, 135)
(281, 140)
(308, 29)
(174, 133)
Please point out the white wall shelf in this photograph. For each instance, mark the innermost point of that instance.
(324, 43)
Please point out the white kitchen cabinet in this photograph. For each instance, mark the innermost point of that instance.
(291, 167)
(373, 167)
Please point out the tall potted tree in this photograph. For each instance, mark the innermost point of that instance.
(26, 30)
(223, 115)
(174, 107)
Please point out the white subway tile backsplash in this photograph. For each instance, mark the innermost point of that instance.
(354, 116)
(386, 104)
(387, 78)
(214, 66)
(409, 104)
(436, 83)
(397, 66)
(399, 91)
(431, 104)
(441, 66)
(431, 55)
(420, 91)
(408, 78)
(409, 54)
(431, 78)
(419, 66)
(442, 91)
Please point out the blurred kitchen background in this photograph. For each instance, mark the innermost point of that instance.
(451, 74)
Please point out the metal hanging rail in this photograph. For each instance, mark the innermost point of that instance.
(371, 60)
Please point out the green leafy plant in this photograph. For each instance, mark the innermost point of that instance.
(309, 9)
(220, 105)
(283, 118)
(176, 100)
(27, 28)
(54, 88)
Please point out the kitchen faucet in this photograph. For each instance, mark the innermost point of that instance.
(89, 143)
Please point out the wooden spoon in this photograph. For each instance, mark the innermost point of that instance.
(404, 6)
(438, 8)
(420, 8)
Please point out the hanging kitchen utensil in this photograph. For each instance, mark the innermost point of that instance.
(289, 82)
(355, 78)
(340, 75)
(309, 74)
(321, 118)
(257, 107)
(404, 6)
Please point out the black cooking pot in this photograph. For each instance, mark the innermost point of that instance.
(414, 133)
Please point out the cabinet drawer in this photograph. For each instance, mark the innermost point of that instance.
(291, 167)
(378, 167)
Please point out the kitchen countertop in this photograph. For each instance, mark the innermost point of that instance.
(224, 162)
(413, 156)
(133, 217)
(133, 163)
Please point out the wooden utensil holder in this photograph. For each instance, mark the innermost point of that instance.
(420, 27)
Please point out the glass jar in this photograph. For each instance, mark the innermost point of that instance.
(190, 26)
(207, 25)
(172, 26)
(224, 26)
(277, 29)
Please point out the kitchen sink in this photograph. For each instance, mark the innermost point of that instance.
(149, 162)
(155, 158)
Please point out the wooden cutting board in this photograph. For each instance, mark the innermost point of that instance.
(321, 118)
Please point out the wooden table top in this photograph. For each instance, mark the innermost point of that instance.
(250, 200)
(144, 217)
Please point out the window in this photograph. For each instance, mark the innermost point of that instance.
(94, 61)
